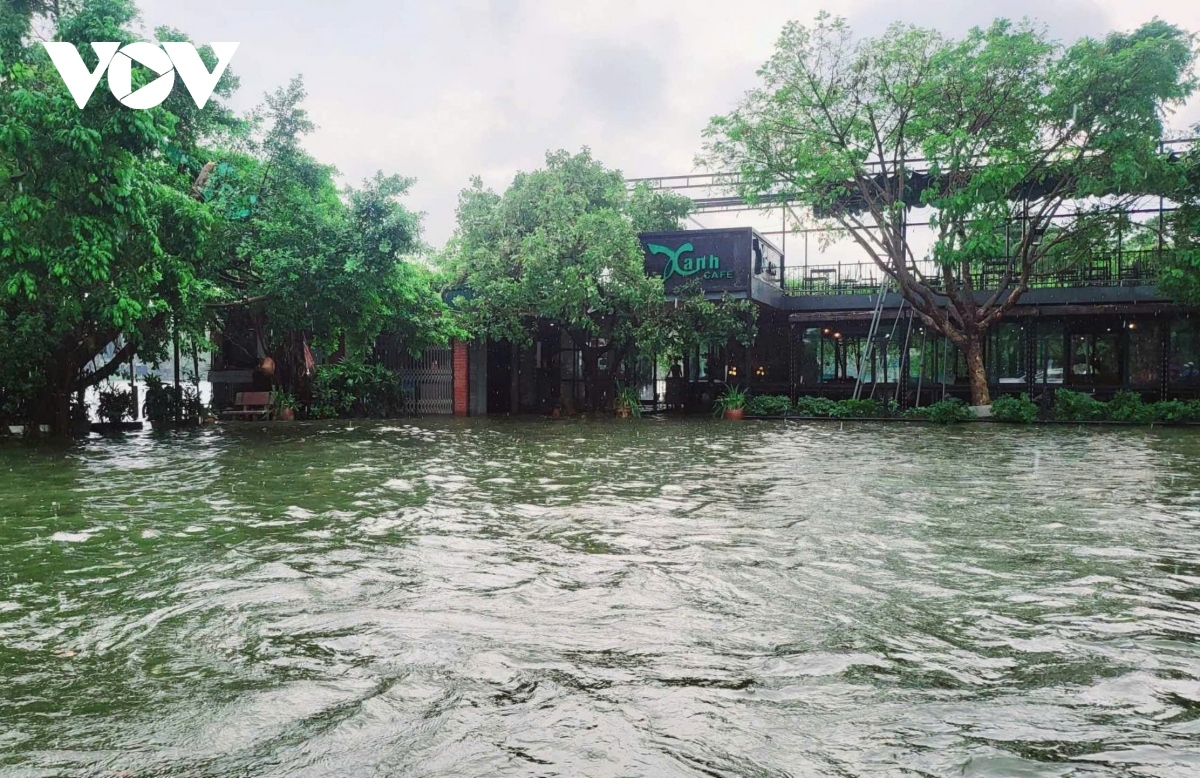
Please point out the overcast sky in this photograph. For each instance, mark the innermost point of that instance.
(445, 90)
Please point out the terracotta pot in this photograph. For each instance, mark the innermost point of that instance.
(624, 412)
(288, 414)
(735, 414)
(267, 366)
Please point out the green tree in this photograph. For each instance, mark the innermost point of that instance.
(1179, 272)
(298, 256)
(98, 225)
(121, 228)
(561, 245)
(1030, 150)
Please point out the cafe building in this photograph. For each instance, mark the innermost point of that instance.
(825, 329)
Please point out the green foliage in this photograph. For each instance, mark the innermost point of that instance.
(732, 399)
(949, 411)
(627, 397)
(123, 227)
(1125, 407)
(560, 244)
(859, 409)
(1015, 410)
(1171, 412)
(769, 405)
(98, 232)
(1074, 406)
(819, 407)
(1128, 407)
(164, 404)
(837, 120)
(284, 401)
(354, 389)
(305, 256)
(116, 406)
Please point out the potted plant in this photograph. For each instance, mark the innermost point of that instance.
(731, 404)
(159, 405)
(167, 407)
(115, 407)
(191, 407)
(628, 403)
(285, 406)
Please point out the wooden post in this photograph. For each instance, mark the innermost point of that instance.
(133, 386)
(178, 405)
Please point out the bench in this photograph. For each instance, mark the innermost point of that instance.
(251, 405)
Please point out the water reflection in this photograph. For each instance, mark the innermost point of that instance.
(592, 598)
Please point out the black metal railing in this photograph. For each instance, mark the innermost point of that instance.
(1125, 268)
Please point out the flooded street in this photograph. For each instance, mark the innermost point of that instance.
(653, 598)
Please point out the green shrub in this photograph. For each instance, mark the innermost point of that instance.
(948, 411)
(859, 409)
(1015, 410)
(116, 406)
(769, 405)
(1074, 406)
(820, 407)
(1128, 406)
(1169, 412)
(354, 389)
(166, 403)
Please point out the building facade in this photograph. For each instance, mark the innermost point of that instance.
(831, 329)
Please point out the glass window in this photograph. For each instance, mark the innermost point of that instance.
(1145, 352)
(1049, 353)
(1185, 353)
(831, 356)
(1095, 358)
(1008, 354)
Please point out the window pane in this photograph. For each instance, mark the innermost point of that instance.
(1145, 342)
(1095, 358)
(1185, 354)
(1010, 354)
(1050, 353)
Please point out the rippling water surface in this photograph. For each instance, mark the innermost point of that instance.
(655, 598)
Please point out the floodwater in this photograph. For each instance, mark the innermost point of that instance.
(604, 598)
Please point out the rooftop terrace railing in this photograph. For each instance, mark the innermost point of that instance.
(1125, 268)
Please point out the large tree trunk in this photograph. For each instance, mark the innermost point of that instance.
(60, 400)
(976, 372)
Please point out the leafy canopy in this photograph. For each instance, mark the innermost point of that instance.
(561, 244)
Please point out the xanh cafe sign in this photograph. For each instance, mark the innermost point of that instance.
(167, 60)
(718, 261)
(680, 262)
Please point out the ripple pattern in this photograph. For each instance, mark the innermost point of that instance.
(602, 598)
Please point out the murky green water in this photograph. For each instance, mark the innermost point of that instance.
(602, 599)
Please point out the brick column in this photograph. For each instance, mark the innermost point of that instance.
(462, 391)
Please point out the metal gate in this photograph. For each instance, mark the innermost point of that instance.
(428, 380)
